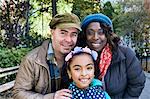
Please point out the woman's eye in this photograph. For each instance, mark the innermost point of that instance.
(90, 32)
(100, 32)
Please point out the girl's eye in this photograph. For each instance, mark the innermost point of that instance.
(89, 68)
(77, 69)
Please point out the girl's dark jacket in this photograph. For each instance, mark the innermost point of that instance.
(125, 78)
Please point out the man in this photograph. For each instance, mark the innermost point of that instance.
(39, 75)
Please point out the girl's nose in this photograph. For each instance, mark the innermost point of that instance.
(84, 72)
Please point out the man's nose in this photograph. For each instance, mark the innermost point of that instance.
(68, 38)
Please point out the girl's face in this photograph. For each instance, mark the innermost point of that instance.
(82, 70)
(96, 38)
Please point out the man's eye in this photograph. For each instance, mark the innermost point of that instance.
(74, 35)
(62, 32)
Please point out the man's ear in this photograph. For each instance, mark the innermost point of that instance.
(69, 74)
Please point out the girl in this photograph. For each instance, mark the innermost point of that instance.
(80, 66)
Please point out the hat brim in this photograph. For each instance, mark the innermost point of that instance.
(68, 25)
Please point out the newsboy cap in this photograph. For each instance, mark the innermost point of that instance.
(98, 17)
(65, 20)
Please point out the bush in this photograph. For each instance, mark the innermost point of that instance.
(11, 57)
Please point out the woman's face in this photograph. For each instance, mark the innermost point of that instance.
(96, 38)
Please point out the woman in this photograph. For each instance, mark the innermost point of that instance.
(121, 71)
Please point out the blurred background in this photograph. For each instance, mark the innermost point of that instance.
(24, 25)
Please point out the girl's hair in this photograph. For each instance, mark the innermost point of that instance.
(112, 38)
(65, 78)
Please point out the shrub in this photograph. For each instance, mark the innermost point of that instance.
(11, 57)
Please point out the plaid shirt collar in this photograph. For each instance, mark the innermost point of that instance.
(51, 56)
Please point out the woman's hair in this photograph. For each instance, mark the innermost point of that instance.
(112, 38)
(65, 78)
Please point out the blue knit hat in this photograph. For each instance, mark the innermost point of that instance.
(96, 18)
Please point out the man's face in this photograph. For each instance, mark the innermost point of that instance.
(63, 40)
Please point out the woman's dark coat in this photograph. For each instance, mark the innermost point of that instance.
(124, 78)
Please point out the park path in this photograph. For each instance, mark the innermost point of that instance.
(146, 91)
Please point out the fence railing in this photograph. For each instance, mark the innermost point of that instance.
(4, 72)
(145, 61)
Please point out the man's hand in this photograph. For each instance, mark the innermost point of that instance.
(63, 94)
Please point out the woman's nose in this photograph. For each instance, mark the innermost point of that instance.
(96, 36)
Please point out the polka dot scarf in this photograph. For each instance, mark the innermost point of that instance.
(94, 92)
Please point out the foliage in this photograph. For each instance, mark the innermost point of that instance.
(11, 57)
(9, 78)
(40, 15)
(25, 24)
(15, 24)
(64, 6)
(89, 6)
(108, 9)
(85, 7)
(117, 24)
(133, 22)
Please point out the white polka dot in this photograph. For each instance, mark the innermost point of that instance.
(87, 94)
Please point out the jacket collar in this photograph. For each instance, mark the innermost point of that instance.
(118, 55)
(42, 54)
(50, 54)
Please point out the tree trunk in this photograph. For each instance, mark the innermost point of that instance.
(54, 8)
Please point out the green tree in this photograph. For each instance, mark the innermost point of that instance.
(133, 21)
(85, 7)
(13, 21)
(108, 9)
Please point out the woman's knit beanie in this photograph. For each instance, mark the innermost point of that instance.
(99, 17)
